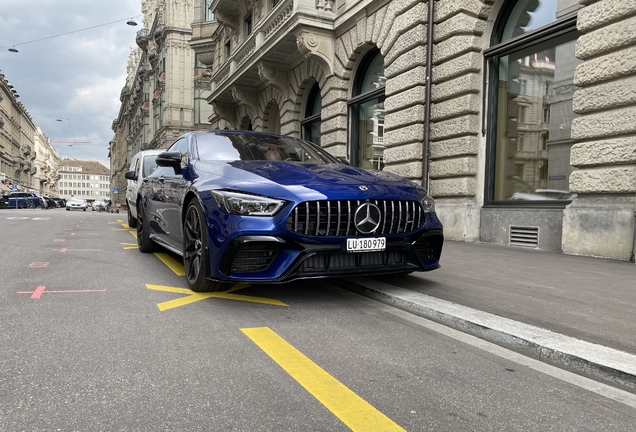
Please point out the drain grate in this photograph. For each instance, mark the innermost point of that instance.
(524, 236)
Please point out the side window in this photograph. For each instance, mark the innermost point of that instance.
(133, 165)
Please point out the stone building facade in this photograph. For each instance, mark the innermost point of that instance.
(518, 116)
(17, 132)
(166, 88)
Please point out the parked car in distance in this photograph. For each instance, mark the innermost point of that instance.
(238, 217)
(76, 204)
(100, 204)
(15, 199)
(143, 163)
(61, 202)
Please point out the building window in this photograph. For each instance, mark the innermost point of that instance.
(248, 23)
(532, 62)
(228, 49)
(366, 113)
(209, 15)
(310, 125)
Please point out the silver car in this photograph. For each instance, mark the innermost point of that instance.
(143, 163)
(76, 204)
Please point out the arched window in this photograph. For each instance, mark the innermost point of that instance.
(531, 74)
(366, 113)
(310, 125)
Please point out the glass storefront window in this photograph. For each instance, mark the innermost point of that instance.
(366, 114)
(371, 134)
(532, 113)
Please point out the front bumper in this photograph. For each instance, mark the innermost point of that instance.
(276, 259)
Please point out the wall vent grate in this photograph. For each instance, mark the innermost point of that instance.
(524, 236)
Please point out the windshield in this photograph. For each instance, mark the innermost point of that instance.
(232, 146)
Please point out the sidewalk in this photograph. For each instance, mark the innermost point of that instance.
(578, 313)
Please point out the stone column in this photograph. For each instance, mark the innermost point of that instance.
(600, 221)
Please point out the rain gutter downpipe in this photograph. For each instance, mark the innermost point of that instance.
(427, 101)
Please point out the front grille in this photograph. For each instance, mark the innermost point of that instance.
(253, 257)
(335, 218)
(349, 261)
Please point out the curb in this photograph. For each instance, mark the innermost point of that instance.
(607, 365)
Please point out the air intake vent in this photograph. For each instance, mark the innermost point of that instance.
(524, 236)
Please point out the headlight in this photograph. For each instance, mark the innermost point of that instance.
(429, 204)
(247, 205)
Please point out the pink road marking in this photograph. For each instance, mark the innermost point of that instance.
(38, 264)
(63, 250)
(72, 233)
(41, 289)
(59, 240)
(38, 292)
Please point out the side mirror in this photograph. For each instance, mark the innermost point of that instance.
(170, 159)
(131, 175)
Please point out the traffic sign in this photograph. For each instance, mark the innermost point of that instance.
(115, 189)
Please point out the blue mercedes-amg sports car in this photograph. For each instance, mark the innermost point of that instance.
(255, 207)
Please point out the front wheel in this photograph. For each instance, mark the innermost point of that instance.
(195, 251)
(144, 242)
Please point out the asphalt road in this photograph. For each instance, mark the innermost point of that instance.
(96, 336)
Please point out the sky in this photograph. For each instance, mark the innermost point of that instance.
(75, 77)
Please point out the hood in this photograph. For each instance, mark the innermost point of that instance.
(290, 180)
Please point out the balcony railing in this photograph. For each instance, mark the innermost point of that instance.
(266, 29)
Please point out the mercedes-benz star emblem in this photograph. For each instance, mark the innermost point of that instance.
(367, 218)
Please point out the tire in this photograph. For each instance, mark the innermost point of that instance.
(132, 223)
(144, 242)
(68, 209)
(195, 252)
(24, 204)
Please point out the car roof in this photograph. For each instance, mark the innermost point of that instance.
(149, 152)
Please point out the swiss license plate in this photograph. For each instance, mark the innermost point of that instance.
(366, 244)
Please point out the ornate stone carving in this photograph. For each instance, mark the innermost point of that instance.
(317, 46)
(226, 20)
(273, 76)
(243, 96)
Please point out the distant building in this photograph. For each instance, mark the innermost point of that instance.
(83, 179)
(45, 165)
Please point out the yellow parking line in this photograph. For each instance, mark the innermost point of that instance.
(191, 296)
(351, 409)
(172, 263)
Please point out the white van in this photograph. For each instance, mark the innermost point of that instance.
(142, 164)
